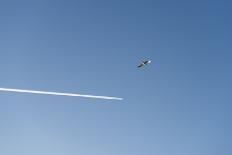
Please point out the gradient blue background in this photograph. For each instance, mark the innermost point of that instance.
(178, 105)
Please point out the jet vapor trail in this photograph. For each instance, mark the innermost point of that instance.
(59, 94)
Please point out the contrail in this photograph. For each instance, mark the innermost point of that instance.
(59, 94)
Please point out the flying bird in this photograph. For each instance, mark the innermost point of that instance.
(144, 63)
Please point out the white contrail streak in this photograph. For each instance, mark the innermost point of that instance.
(59, 94)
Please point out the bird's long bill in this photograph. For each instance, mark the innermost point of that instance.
(58, 93)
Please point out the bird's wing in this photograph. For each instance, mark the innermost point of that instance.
(145, 62)
(141, 65)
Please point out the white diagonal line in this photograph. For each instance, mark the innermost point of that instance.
(59, 93)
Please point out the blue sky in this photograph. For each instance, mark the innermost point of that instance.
(178, 105)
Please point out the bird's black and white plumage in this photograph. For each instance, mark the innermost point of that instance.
(144, 63)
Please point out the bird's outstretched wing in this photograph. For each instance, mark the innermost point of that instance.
(141, 65)
(145, 62)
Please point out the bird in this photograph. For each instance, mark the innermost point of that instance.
(144, 63)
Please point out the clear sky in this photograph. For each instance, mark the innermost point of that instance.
(178, 105)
